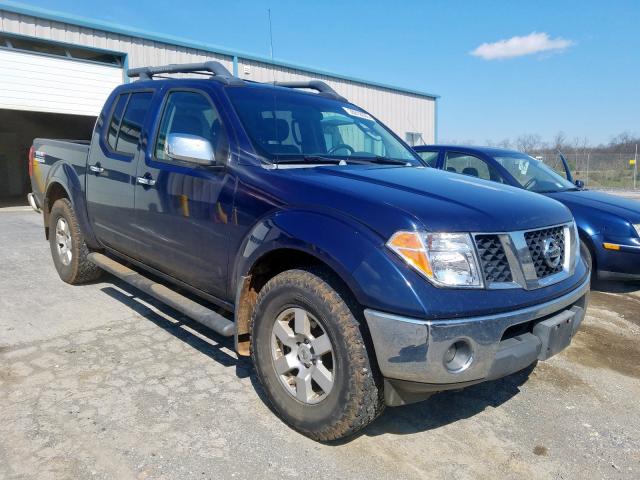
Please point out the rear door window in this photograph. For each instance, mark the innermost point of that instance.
(116, 117)
(132, 122)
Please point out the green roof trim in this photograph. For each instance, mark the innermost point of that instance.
(23, 9)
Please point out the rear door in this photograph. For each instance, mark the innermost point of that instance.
(182, 209)
(112, 169)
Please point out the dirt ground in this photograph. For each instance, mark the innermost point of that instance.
(99, 382)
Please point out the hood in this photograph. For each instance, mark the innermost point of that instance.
(429, 198)
(623, 207)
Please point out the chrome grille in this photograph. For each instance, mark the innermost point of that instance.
(493, 260)
(536, 242)
(517, 259)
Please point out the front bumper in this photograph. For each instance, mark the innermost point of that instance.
(413, 353)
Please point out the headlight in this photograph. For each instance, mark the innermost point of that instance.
(576, 246)
(637, 227)
(445, 259)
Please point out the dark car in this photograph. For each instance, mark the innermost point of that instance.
(291, 219)
(609, 226)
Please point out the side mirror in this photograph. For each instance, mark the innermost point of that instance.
(579, 183)
(189, 148)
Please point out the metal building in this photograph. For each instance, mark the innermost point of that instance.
(56, 70)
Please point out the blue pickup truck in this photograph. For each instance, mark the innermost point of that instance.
(288, 218)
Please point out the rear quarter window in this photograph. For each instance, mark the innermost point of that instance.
(430, 157)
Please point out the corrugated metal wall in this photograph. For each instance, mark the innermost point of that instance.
(403, 112)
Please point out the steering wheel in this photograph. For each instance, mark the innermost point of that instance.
(530, 183)
(339, 146)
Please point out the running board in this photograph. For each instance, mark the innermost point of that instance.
(191, 309)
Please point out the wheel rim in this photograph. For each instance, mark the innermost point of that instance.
(302, 355)
(63, 241)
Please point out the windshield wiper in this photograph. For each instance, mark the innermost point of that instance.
(318, 159)
(379, 159)
(315, 159)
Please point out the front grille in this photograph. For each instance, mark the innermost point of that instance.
(493, 259)
(536, 243)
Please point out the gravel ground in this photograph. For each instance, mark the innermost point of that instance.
(99, 382)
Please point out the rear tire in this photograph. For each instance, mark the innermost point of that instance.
(68, 248)
(311, 357)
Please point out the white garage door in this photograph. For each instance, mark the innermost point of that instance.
(47, 84)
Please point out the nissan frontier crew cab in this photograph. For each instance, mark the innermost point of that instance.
(291, 219)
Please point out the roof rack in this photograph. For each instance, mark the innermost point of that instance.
(321, 87)
(220, 73)
(217, 70)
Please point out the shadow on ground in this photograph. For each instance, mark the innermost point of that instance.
(612, 286)
(197, 336)
(448, 407)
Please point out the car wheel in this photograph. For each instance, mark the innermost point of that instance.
(68, 248)
(586, 254)
(311, 358)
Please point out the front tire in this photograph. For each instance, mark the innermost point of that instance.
(68, 248)
(585, 251)
(311, 358)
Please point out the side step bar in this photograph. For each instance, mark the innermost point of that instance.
(31, 198)
(197, 312)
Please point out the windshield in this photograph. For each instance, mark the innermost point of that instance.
(532, 174)
(287, 126)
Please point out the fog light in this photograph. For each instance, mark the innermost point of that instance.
(458, 356)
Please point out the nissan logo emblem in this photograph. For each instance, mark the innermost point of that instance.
(551, 252)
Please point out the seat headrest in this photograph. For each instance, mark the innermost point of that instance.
(274, 130)
(186, 123)
(470, 171)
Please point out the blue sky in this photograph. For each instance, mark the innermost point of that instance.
(589, 85)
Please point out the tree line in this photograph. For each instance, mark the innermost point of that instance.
(624, 142)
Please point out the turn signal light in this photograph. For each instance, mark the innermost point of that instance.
(410, 247)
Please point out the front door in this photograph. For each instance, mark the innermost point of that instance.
(182, 209)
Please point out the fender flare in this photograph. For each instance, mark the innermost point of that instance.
(376, 277)
(66, 176)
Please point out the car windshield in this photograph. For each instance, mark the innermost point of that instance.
(532, 174)
(286, 126)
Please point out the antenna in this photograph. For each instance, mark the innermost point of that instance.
(273, 74)
(270, 35)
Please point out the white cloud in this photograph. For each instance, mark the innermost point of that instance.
(519, 46)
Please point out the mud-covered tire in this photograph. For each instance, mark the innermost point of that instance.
(73, 267)
(356, 396)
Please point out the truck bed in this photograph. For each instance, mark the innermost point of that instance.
(48, 154)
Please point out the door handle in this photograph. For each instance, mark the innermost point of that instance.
(148, 181)
(96, 168)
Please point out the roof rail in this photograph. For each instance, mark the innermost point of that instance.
(215, 68)
(318, 85)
